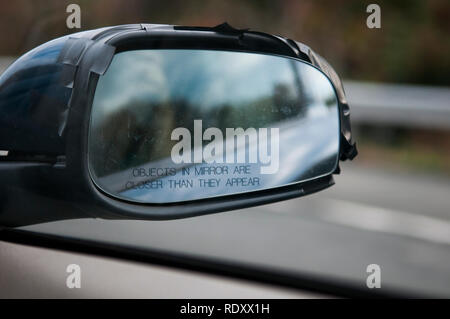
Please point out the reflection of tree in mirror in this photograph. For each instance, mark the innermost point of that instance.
(135, 134)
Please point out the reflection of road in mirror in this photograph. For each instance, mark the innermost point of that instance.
(308, 148)
(266, 152)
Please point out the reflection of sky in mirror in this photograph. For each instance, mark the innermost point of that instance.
(42, 55)
(162, 76)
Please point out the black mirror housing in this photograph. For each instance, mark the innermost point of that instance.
(45, 176)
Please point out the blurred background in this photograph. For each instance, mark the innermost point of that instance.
(406, 127)
(390, 206)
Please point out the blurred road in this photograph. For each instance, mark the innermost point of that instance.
(393, 189)
(397, 220)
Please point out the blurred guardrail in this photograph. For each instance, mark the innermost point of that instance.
(399, 105)
(386, 104)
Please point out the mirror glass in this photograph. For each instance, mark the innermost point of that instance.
(177, 125)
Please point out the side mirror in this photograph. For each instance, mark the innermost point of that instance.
(163, 122)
